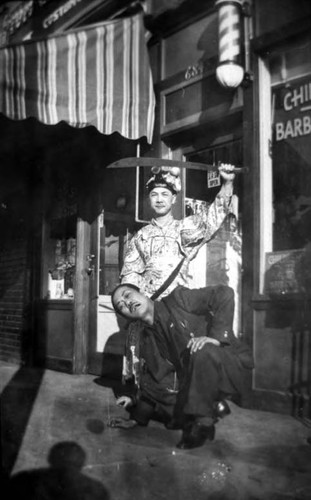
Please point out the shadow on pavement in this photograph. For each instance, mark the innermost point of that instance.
(63, 480)
(16, 403)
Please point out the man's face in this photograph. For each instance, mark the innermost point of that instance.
(131, 303)
(161, 200)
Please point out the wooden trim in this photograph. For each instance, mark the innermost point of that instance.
(272, 401)
(265, 165)
(59, 364)
(81, 302)
(94, 289)
(294, 301)
(211, 114)
(255, 187)
(56, 304)
(250, 197)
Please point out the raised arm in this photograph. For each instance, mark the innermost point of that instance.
(202, 227)
(227, 175)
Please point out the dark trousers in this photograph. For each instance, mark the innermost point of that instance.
(221, 307)
(207, 376)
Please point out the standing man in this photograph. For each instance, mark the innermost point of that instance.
(192, 330)
(156, 249)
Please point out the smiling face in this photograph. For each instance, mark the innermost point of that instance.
(161, 200)
(131, 303)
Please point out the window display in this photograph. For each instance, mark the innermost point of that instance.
(61, 276)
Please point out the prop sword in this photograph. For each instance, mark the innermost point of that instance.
(164, 162)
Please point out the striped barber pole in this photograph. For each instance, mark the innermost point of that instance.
(229, 30)
(97, 76)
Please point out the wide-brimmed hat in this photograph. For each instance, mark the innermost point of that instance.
(167, 177)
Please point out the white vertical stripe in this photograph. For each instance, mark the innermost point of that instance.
(11, 84)
(109, 91)
(23, 82)
(44, 83)
(52, 82)
(135, 78)
(9, 97)
(39, 80)
(18, 82)
(150, 113)
(126, 66)
(99, 78)
(72, 44)
(20, 90)
(82, 77)
(5, 81)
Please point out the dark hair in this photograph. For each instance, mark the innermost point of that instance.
(128, 285)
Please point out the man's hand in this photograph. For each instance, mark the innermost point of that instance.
(122, 423)
(124, 401)
(226, 172)
(196, 343)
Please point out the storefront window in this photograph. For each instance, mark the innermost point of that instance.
(59, 241)
(290, 164)
(291, 148)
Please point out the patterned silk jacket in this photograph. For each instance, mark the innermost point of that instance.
(154, 251)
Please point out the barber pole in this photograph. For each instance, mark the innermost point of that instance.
(230, 71)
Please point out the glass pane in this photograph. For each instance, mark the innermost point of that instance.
(288, 265)
(223, 254)
(292, 164)
(196, 180)
(113, 237)
(191, 46)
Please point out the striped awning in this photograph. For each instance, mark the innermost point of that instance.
(96, 76)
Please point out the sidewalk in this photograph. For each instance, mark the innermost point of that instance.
(55, 437)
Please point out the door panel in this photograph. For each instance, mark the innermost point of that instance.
(110, 328)
(107, 331)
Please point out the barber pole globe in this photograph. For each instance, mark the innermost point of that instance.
(229, 71)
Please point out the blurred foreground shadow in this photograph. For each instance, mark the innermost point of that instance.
(63, 480)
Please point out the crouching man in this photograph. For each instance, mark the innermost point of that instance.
(191, 331)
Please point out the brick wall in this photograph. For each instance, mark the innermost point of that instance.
(13, 301)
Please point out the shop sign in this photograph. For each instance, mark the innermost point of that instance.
(293, 110)
(59, 13)
(35, 19)
(213, 179)
(18, 17)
